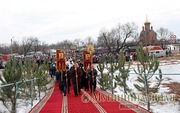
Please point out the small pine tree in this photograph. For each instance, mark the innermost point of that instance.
(17, 74)
(122, 78)
(146, 70)
(102, 79)
(28, 69)
(104, 82)
(12, 73)
(43, 79)
(112, 66)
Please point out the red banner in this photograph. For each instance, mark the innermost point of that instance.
(87, 59)
(60, 60)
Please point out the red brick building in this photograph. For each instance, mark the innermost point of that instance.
(148, 36)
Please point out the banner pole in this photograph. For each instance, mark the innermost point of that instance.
(75, 66)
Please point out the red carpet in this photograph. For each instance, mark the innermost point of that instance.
(110, 105)
(76, 104)
(54, 104)
(87, 103)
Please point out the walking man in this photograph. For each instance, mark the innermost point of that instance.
(76, 74)
(92, 77)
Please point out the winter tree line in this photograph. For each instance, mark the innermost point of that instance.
(118, 37)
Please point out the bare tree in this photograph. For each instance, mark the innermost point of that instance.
(44, 47)
(36, 44)
(64, 45)
(77, 41)
(16, 47)
(89, 40)
(163, 35)
(27, 44)
(67, 45)
(117, 37)
(4, 49)
(124, 32)
(105, 40)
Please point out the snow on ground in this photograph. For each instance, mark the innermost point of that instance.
(166, 108)
(22, 106)
(25, 108)
(171, 73)
(169, 70)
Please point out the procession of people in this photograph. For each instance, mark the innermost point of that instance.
(74, 73)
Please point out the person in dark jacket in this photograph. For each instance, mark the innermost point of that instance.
(76, 74)
(92, 78)
(52, 71)
(64, 81)
(84, 77)
(60, 75)
(67, 80)
(85, 80)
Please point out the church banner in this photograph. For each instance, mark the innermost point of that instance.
(60, 60)
(87, 59)
(90, 48)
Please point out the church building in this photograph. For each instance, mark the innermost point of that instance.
(148, 36)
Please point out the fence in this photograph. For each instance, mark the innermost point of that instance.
(32, 81)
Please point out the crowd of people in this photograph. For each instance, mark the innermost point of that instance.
(75, 76)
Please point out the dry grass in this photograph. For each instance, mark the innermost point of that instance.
(174, 89)
(175, 56)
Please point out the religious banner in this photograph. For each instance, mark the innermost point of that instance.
(87, 59)
(57, 59)
(90, 48)
(60, 60)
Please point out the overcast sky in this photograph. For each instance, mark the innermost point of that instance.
(57, 20)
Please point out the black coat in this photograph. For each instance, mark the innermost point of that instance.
(92, 75)
(73, 73)
(65, 75)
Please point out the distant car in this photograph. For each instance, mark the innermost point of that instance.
(157, 53)
(39, 53)
(30, 54)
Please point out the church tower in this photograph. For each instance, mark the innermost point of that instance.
(148, 36)
(147, 25)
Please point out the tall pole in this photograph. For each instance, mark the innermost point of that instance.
(11, 45)
(76, 71)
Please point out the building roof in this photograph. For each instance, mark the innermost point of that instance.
(146, 22)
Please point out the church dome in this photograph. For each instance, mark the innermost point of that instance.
(146, 22)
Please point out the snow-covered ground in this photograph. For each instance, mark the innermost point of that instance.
(168, 69)
(22, 106)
